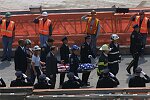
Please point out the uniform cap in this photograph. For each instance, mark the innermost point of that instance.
(64, 38)
(42, 77)
(75, 47)
(138, 70)
(44, 14)
(105, 47)
(36, 48)
(8, 14)
(18, 73)
(106, 71)
(114, 37)
(50, 40)
(87, 37)
(136, 26)
(70, 75)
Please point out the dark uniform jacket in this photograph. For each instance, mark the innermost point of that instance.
(2, 83)
(51, 64)
(85, 52)
(136, 42)
(44, 51)
(114, 55)
(74, 63)
(102, 63)
(71, 84)
(106, 82)
(137, 81)
(20, 60)
(20, 83)
(64, 53)
(42, 85)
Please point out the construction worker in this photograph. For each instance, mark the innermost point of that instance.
(103, 59)
(135, 48)
(137, 81)
(144, 27)
(8, 35)
(114, 57)
(92, 28)
(64, 55)
(45, 27)
(86, 53)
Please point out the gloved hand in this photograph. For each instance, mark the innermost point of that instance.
(143, 73)
(90, 56)
(25, 76)
(111, 74)
(47, 79)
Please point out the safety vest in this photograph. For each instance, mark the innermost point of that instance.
(143, 28)
(44, 27)
(92, 29)
(9, 31)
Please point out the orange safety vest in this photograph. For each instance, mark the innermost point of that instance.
(44, 27)
(9, 31)
(91, 29)
(143, 28)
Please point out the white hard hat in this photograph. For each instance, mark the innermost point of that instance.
(105, 47)
(36, 48)
(44, 14)
(114, 37)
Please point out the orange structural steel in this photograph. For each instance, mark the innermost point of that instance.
(70, 24)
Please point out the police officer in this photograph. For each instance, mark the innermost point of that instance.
(72, 83)
(103, 59)
(20, 80)
(86, 53)
(74, 60)
(137, 81)
(2, 83)
(64, 55)
(46, 49)
(43, 83)
(135, 48)
(108, 80)
(114, 57)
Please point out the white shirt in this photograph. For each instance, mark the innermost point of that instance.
(36, 60)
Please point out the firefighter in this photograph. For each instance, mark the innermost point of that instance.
(86, 53)
(114, 57)
(92, 28)
(135, 48)
(103, 59)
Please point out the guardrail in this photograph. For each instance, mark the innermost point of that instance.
(27, 93)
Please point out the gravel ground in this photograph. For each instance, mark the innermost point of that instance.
(10, 5)
(8, 73)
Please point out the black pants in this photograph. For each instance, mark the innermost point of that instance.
(53, 80)
(134, 62)
(37, 69)
(114, 68)
(85, 77)
(62, 77)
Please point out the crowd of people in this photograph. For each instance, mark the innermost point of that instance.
(38, 66)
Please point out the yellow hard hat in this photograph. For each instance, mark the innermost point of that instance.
(105, 47)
